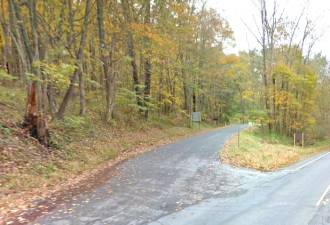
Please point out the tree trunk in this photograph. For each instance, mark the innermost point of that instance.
(51, 99)
(80, 54)
(17, 40)
(147, 63)
(194, 98)
(107, 62)
(131, 53)
(35, 119)
(82, 100)
(264, 58)
(6, 48)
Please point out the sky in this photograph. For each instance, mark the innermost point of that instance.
(243, 13)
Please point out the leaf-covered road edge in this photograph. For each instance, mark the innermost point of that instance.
(32, 204)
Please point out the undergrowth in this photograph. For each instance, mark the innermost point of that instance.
(78, 143)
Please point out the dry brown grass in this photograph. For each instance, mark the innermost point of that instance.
(260, 152)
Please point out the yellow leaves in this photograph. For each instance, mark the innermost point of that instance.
(293, 93)
(301, 76)
(161, 43)
(57, 74)
(178, 8)
(283, 98)
(229, 59)
(168, 98)
(234, 68)
(248, 95)
(309, 76)
(180, 11)
(110, 26)
(283, 71)
(146, 31)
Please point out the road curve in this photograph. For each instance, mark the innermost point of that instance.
(289, 197)
(184, 183)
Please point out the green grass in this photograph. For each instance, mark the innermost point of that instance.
(263, 151)
(12, 96)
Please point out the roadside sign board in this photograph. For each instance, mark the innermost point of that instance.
(196, 117)
(299, 138)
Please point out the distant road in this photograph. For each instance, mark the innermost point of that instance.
(184, 183)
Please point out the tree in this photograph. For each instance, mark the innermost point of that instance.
(106, 56)
(78, 74)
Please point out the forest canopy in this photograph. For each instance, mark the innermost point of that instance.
(147, 59)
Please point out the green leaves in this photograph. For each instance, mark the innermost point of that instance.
(5, 76)
(33, 77)
(128, 99)
(57, 74)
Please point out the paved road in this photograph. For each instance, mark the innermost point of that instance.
(184, 183)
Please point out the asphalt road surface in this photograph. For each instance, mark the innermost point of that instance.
(184, 183)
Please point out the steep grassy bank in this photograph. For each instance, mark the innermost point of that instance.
(28, 171)
(263, 151)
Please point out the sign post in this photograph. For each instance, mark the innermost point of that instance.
(238, 137)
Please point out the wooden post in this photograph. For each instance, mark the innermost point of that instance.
(238, 139)
(294, 140)
(302, 140)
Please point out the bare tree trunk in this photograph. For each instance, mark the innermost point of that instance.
(264, 21)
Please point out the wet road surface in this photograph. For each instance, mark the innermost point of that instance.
(184, 183)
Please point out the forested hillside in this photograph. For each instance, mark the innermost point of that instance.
(75, 74)
(156, 58)
(135, 59)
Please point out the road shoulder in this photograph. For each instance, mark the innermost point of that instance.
(267, 153)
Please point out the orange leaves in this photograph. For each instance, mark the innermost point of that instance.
(157, 39)
(229, 59)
